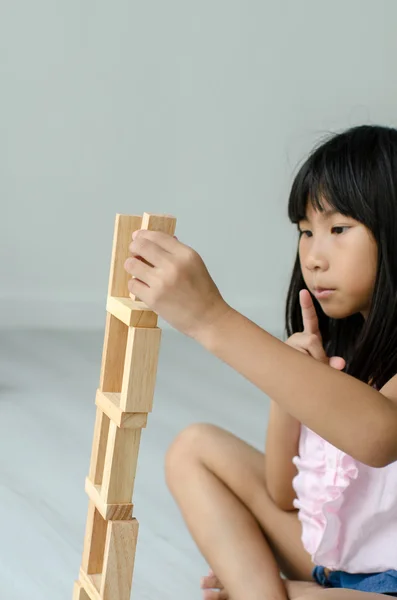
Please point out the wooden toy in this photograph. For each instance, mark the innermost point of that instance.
(123, 400)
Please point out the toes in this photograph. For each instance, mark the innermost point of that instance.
(213, 588)
(211, 581)
(215, 595)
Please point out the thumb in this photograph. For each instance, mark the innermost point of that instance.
(337, 362)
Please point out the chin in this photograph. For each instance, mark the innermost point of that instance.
(337, 312)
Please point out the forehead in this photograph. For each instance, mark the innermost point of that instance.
(313, 212)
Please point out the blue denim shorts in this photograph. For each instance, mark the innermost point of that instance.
(380, 583)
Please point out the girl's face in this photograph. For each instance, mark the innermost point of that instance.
(338, 257)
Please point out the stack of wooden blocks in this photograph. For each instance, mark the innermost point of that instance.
(123, 401)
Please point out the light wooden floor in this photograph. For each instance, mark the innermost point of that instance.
(47, 390)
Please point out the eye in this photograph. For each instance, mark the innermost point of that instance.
(305, 232)
(339, 229)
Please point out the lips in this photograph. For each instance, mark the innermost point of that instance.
(322, 293)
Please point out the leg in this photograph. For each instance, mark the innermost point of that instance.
(295, 590)
(338, 594)
(218, 482)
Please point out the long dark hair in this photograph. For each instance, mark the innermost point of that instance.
(356, 173)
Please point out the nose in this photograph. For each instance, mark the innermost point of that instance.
(316, 259)
(316, 264)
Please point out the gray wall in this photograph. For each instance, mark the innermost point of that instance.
(200, 109)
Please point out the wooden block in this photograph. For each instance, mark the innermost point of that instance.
(91, 584)
(124, 226)
(140, 369)
(132, 314)
(125, 396)
(94, 541)
(99, 444)
(113, 354)
(109, 403)
(118, 566)
(79, 592)
(120, 465)
(118, 512)
(165, 223)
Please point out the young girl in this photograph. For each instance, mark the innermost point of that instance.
(321, 505)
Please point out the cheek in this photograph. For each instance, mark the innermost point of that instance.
(362, 271)
(307, 274)
(302, 256)
(363, 283)
(304, 271)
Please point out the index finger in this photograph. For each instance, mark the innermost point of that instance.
(164, 240)
(309, 315)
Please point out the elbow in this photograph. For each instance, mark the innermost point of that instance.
(380, 449)
(379, 460)
(374, 456)
(282, 500)
(376, 462)
(286, 506)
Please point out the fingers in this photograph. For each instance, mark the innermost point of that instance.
(309, 343)
(309, 315)
(137, 287)
(337, 362)
(149, 251)
(165, 241)
(139, 270)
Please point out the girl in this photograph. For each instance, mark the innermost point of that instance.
(321, 504)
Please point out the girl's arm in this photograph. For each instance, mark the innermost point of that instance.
(282, 444)
(174, 282)
(346, 412)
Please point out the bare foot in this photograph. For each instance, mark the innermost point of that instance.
(213, 589)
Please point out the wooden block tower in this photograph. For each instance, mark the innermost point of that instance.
(123, 400)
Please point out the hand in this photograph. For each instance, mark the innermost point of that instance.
(172, 279)
(309, 341)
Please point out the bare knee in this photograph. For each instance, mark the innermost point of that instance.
(302, 590)
(185, 449)
(312, 595)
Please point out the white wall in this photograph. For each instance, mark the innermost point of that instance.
(200, 109)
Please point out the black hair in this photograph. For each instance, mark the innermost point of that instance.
(356, 173)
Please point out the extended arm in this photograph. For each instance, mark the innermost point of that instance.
(348, 413)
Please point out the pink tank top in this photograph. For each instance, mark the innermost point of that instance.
(348, 510)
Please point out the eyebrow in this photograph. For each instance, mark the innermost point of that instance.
(325, 213)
